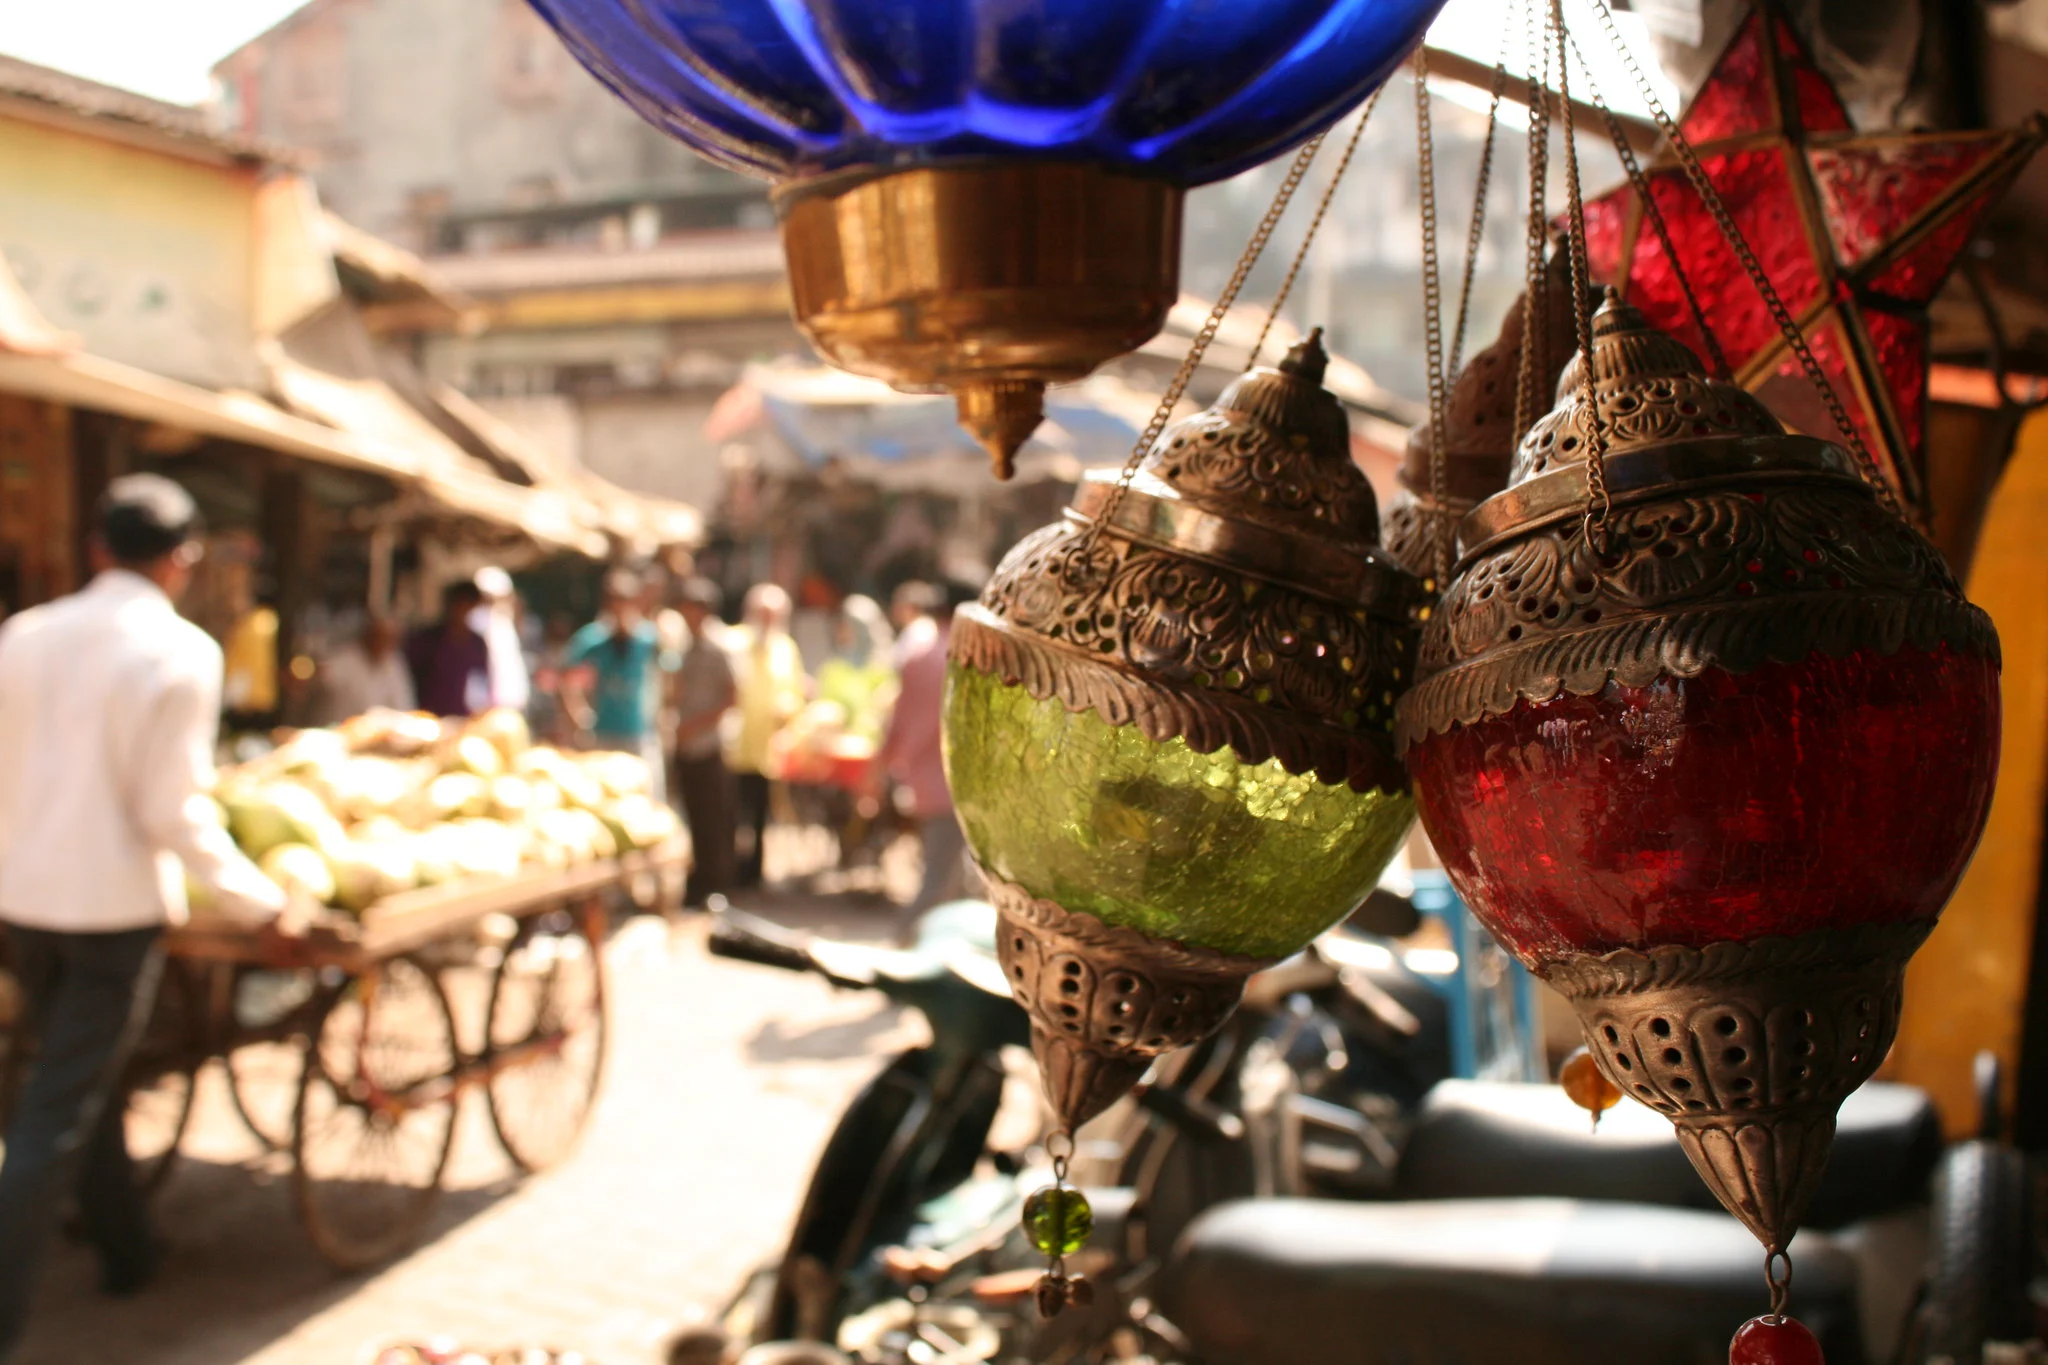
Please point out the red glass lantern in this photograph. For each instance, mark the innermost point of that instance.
(1710, 764)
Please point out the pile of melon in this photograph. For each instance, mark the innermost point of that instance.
(391, 801)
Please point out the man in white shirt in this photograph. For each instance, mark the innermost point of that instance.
(497, 620)
(109, 712)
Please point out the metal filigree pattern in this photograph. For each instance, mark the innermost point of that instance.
(1749, 1048)
(1641, 412)
(1409, 529)
(1181, 648)
(1218, 457)
(1718, 578)
(1103, 1000)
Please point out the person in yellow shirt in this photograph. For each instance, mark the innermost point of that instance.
(772, 689)
(249, 688)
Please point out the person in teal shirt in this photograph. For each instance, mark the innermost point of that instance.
(614, 673)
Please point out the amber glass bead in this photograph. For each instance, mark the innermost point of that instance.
(1582, 1079)
(1774, 1341)
(1058, 1220)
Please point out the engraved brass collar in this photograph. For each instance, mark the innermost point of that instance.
(1154, 514)
(1650, 471)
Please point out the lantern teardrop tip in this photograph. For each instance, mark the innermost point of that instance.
(1001, 414)
(1082, 1082)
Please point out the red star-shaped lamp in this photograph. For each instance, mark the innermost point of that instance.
(1856, 231)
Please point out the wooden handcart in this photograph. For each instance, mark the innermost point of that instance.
(349, 1050)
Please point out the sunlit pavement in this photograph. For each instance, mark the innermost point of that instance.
(723, 1084)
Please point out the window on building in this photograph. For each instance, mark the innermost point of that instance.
(313, 71)
(426, 215)
(530, 56)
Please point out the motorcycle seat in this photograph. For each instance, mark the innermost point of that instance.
(1456, 1282)
(957, 938)
(1478, 1140)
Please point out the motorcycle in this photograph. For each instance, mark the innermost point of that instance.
(907, 1245)
(1310, 1184)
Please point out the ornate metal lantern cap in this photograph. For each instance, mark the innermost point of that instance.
(1727, 543)
(1262, 484)
(1666, 423)
(1232, 593)
(1274, 449)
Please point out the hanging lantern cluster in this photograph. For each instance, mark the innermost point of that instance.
(1709, 759)
(1168, 729)
(978, 196)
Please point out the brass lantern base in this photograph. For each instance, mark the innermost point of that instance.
(1749, 1049)
(1105, 1001)
(985, 280)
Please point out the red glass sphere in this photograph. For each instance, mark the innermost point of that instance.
(1774, 1341)
(1824, 794)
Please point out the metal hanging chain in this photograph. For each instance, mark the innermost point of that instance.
(1432, 321)
(1476, 234)
(1641, 183)
(1535, 303)
(1599, 505)
(1730, 233)
(1780, 1285)
(1315, 223)
(1200, 347)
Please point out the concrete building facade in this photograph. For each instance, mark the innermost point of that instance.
(621, 282)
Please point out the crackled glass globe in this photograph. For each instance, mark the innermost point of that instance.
(1245, 858)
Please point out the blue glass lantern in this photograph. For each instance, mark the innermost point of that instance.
(984, 196)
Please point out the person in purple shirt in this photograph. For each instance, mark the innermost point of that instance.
(450, 663)
(911, 755)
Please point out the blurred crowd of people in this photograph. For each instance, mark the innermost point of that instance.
(841, 701)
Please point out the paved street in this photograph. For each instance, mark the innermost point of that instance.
(724, 1082)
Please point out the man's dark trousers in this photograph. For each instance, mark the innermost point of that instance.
(88, 998)
(710, 796)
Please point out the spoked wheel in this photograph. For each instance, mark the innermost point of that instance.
(375, 1119)
(271, 1009)
(161, 1075)
(547, 1035)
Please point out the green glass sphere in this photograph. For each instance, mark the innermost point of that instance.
(1201, 848)
(1058, 1220)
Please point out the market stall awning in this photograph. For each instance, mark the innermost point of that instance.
(396, 290)
(88, 381)
(642, 522)
(542, 514)
(826, 414)
(375, 414)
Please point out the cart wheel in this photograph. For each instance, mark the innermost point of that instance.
(547, 1036)
(161, 1075)
(274, 1011)
(376, 1114)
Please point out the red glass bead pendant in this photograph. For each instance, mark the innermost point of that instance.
(1774, 1341)
(1710, 763)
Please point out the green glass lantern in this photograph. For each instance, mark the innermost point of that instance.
(1168, 728)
